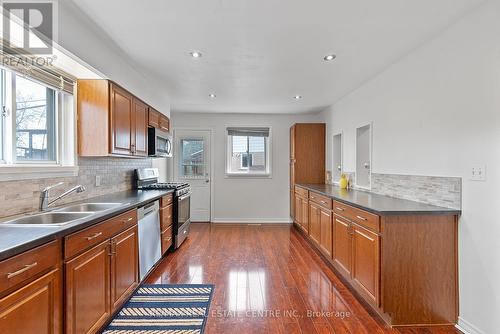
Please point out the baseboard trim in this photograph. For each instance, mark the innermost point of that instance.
(251, 221)
(467, 327)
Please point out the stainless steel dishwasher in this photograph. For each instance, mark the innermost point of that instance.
(149, 237)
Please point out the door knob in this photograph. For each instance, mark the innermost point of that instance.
(207, 181)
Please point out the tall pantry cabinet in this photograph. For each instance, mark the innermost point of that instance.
(307, 156)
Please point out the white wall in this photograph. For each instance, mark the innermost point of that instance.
(437, 112)
(244, 199)
(79, 35)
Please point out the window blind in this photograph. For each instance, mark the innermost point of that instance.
(248, 131)
(37, 68)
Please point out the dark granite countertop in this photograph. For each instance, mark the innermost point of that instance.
(378, 204)
(15, 239)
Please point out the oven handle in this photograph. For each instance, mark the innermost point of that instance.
(181, 198)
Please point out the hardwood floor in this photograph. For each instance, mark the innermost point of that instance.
(269, 280)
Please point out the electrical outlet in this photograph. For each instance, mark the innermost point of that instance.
(478, 173)
(98, 180)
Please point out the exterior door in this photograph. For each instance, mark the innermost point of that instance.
(192, 165)
(122, 121)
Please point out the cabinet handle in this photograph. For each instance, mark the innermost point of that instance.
(340, 209)
(323, 202)
(94, 236)
(20, 271)
(362, 218)
(128, 220)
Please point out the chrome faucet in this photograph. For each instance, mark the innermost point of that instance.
(44, 196)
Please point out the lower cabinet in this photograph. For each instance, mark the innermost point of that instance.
(325, 221)
(88, 278)
(34, 308)
(124, 266)
(342, 246)
(365, 269)
(315, 222)
(305, 214)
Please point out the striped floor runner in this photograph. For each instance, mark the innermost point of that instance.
(164, 309)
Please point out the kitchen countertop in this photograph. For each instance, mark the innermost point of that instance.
(15, 239)
(378, 204)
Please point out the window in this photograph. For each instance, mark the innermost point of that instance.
(248, 151)
(193, 158)
(36, 125)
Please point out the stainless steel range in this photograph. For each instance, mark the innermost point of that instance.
(147, 179)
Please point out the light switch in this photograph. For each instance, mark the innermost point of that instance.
(478, 173)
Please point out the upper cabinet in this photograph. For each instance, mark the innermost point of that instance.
(112, 121)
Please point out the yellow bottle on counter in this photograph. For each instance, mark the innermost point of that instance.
(343, 182)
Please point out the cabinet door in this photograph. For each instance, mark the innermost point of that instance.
(140, 145)
(122, 121)
(154, 118)
(34, 308)
(124, 266)
(365, 269)
(305, 215)
(326, 231)
(314, 222)
(164, 123)
(298, 210)
(342, 248)
(292, 205)
(88, 290)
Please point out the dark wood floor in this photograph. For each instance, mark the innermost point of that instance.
(269, 280)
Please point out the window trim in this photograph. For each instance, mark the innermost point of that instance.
(65, 164)
(268, 156)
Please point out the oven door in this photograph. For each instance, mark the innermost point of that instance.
(183, 218)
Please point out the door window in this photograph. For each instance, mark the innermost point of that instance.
(192, 158)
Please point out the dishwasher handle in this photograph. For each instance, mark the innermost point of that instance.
(143, 211)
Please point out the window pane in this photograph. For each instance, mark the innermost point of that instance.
(35, 121)
(193, 158)
(257, 151)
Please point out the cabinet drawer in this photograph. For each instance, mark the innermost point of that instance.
(166, 240)
(166, 217)
(301, 191)
(79, 241)
(166, 200)
(360, 217)
(324, 201)
(28, 264)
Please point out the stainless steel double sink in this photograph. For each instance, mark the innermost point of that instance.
(62, 216)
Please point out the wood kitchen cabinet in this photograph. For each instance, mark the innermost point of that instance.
(342, 246)
(158, 120)
(166, 221)
(35, 308)
(365, 263)
(88, 278)
(307, 156)
(101, 271)
(111, 120)
(124, 266)
(325, 221)
(314, 222)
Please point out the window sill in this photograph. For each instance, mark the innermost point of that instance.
(248, 176)
(30, 172)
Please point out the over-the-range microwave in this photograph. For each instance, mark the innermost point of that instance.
(159, 143)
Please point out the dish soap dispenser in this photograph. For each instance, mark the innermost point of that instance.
(343, 181)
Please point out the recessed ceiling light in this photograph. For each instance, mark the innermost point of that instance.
(329, 57)
(195, 54)
(212, 96)
(298, 97)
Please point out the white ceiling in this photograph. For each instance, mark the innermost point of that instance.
(258, 54)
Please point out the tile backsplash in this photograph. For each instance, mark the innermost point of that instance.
(440, 191)
(117, 174)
